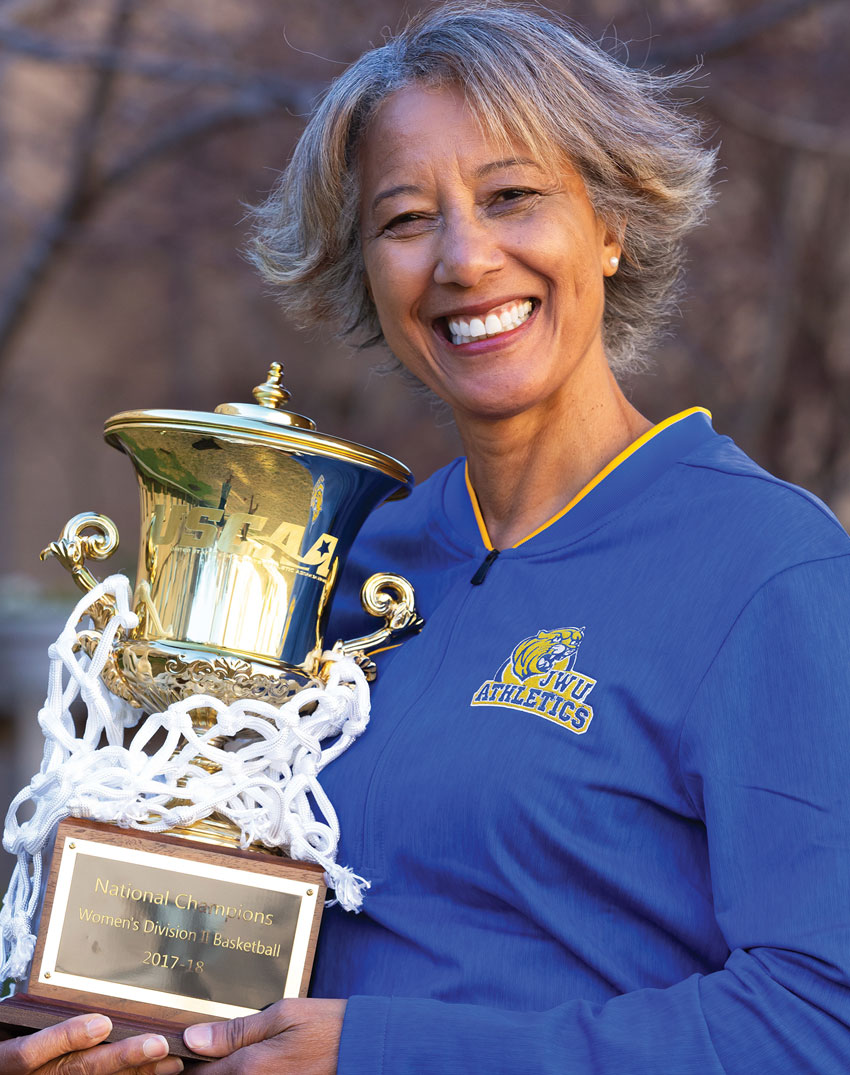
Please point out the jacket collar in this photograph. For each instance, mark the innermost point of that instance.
(627, 475)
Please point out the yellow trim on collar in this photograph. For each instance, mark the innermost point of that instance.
(582, 493)
(479, 518)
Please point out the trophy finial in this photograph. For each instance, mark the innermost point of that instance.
(272, 392)
(270, 407)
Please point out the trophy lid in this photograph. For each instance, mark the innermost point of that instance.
(268, 422)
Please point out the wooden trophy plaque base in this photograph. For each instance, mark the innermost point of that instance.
(25, 1010)
(159, 932)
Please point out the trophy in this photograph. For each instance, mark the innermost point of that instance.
(164, 904)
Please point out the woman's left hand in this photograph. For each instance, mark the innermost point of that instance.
(291, 1036)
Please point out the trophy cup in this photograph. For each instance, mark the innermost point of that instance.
(164, 911)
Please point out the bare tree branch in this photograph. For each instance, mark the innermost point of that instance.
(193, 127)
(803, 195)
(86, 187)
(26, 9)
(734, 32)
(788, 131)
(19, 295)
(162, 68)
(725, 37)
(72, 212)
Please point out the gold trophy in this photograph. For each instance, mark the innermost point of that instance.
(247, 516)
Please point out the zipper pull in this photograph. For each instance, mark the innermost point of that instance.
(481, 574)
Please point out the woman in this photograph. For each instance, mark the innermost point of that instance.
(602, 800)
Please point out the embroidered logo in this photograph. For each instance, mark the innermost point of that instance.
(539, 677)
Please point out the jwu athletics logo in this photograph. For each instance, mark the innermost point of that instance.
(539, 677)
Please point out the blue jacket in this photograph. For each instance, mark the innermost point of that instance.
(604, 798)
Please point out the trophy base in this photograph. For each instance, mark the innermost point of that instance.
(34, 1013)
(159, 932)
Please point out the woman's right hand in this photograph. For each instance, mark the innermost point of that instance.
(73, 1048)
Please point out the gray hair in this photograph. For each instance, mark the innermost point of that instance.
(531, 79)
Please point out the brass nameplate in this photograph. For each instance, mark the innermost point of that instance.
(179, 932)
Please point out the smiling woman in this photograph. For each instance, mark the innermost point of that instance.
(587, 791)
(603, 798)
(454, 236)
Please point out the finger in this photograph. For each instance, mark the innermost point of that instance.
(21, 1055)
(171, 1065)
(225, 1037)
(271, 1057)
(146, 1054)
(141, 1055)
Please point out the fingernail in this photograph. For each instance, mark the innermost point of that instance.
(97, 1026)
(171, 1066)
(198, 1036)
(155, 1047)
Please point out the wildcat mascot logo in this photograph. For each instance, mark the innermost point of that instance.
(539, 677)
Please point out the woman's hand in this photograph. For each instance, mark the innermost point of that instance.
(73, 1048)
(298, 1036)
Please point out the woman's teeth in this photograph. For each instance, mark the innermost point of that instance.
(493, 323)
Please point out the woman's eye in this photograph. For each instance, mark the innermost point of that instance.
(406, 224)
(513, 196)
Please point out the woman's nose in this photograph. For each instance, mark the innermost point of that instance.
(468, 250)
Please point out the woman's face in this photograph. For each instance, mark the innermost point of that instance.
(486, 267)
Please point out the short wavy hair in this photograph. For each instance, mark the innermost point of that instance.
(530, 79)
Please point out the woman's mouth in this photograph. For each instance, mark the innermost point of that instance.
(495, 322)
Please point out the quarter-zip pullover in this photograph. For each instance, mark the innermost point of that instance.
(604, 797)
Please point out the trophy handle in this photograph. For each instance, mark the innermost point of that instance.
(72, 550)
(392, 597)
(75, 547)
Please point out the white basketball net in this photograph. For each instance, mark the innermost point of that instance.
(264, 787)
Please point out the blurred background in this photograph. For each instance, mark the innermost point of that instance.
(133, 133)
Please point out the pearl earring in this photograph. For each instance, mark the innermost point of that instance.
(615, 261)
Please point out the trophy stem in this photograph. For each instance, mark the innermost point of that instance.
(215, 829)
(204, 718)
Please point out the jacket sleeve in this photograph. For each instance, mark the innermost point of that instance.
(765, 756)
